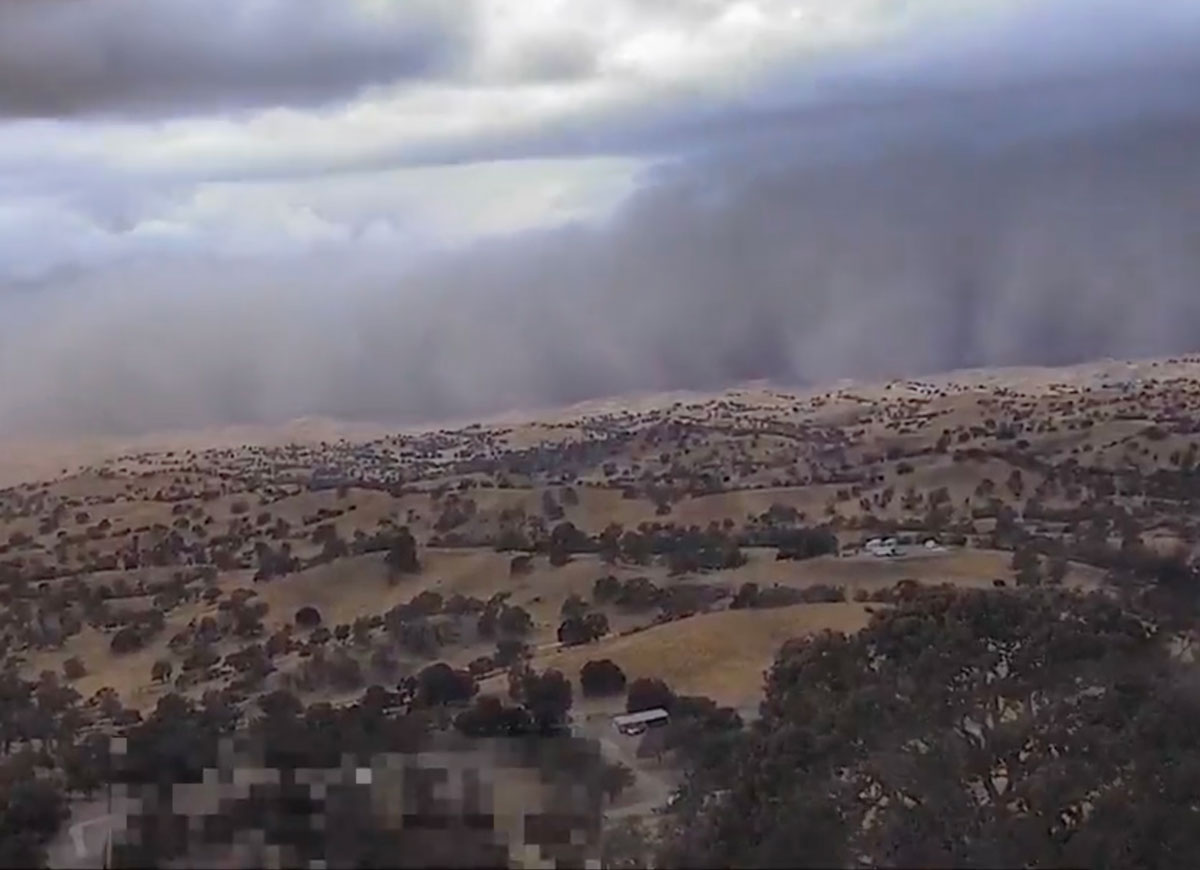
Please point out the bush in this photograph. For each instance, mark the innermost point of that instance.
(486, 624)
(747, 596)
(547, 697)
(639, 593)
(308, 617)
(480, 666)
(31, 811)
(160, 672)
(615, 779)
(648, 693)
(600, 678)
(597, 624)
(402, 554)
(806, 544)
(73, 668)
(427, 603)
(441, 684)
(460, 605)
(515, 622)
(822, 593)
(489, 717)
(606, 589)
(577, 630)
(573, 606)
(126, 640)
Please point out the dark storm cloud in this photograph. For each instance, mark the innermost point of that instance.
(163, 57)
(1051, 251)
(1045, 67)
(887, 231)
(1042, 66)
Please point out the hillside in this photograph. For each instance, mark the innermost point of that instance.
(698, 533)
(941, 457)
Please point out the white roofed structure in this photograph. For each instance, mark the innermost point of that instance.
(633, 723)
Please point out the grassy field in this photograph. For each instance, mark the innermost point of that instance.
(721, 655)
(847, 456)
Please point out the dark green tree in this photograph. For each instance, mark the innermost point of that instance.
(402, 553)
(966, 729)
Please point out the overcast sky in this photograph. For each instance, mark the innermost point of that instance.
(249, 210)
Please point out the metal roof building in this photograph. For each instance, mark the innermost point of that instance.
(633, 723)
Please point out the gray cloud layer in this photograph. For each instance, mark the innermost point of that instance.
(1051, 252)
(68, 57)
(894, 230)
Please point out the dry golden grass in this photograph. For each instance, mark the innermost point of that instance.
(29, 460)
(128, 674)
(358, 586)
(721, 655)
(709, 654)
(969, 568)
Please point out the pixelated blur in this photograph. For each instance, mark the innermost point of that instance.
(455, 802)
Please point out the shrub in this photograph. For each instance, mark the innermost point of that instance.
(441, 684)
(126, 640)
(648, 693)
(515, 621)
(402, 554)
(573, 606)
(606, 589)
(573, 632)
(601, 677)
(308, 617)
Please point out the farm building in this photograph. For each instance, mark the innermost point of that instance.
(636, 723)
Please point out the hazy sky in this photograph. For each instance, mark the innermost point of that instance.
(245, 210)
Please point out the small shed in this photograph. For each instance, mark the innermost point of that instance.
(636, 723)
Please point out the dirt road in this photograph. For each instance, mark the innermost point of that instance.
(81, 841)
(651, 789)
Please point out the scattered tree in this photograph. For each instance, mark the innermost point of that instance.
(440, 684)
(73, 668)
(602, 677)
(402, 554)
(160, 671)
(308, 617)
(648, 693)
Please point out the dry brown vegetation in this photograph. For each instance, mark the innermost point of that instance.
(206, 545)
